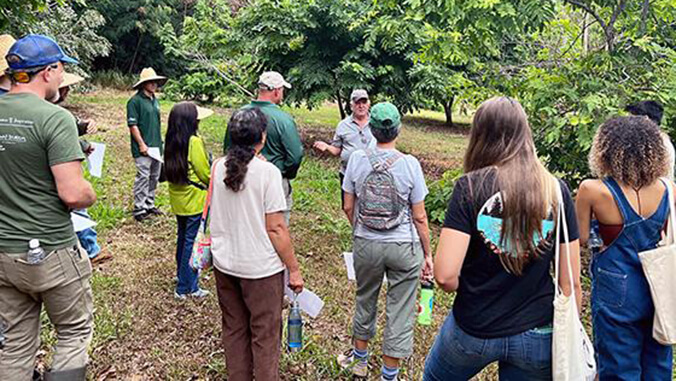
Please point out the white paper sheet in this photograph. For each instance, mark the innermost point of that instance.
(81, 223)
(95, 160)
(349, 266)
(308, 301)
(154, 152)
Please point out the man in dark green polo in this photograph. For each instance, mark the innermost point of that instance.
(283, 146)
(143, 119)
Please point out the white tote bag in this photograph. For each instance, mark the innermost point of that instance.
(572, 351)
(659, 267)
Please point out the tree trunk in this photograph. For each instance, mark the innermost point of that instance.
(448, 110)
(133, 59)
(585, 34)
(339, 100)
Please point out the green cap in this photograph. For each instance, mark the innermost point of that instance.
(384, 116)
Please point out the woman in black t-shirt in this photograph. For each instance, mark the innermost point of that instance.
(499, 234)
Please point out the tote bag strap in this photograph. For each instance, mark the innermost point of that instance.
(561, 226)
(207, 202)
(671, 220)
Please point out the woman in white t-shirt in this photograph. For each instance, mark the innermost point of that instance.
(251, 248)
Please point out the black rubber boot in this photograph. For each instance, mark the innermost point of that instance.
(77, 374)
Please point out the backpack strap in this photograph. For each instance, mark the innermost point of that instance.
(382, 165)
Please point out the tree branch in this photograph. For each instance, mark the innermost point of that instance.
(588, 9)
(644, 15)
(202, 59)
(575, 40)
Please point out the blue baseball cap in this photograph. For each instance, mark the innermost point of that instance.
(35, 50)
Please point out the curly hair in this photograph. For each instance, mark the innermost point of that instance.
(631, 150)
(247, 128)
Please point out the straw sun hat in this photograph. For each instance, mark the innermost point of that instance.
(148, 74)
(203, 113)
(6, 41)
(69, 79)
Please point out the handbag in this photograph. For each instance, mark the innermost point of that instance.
(200, 258)
(572, 351)
(659, 267)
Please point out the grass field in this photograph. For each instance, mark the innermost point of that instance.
(142, 333)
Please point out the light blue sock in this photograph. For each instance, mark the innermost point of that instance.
(389, 374)
(361, 355)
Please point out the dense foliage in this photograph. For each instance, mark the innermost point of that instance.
(572, 63)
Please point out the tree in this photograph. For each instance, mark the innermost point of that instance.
(453, 46)
(134, 28)
(569, 90)
(19, 11)
(76, 32)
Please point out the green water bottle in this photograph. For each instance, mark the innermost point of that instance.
(426, 303)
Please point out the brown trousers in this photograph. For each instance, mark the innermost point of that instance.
(252, 325)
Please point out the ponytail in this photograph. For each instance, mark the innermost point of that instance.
(247, 129)
(236, 166)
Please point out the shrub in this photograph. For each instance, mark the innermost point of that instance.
(437, 200)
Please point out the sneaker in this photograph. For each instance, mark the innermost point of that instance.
(200, 293)
(142, 216)
(347, 361)
(155, 211)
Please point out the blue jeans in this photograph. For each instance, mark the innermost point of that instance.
(187, 231)
(459, 356)
(88, 237)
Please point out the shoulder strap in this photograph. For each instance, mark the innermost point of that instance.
(671, 218)
(562, 225)
(207, 203)
(628, 213)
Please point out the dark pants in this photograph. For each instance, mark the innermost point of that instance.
(185, 238)
(252, 325)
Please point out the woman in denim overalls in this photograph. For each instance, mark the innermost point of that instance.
(631, 206)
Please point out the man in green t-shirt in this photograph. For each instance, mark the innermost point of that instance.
(283, 146)
(42, 180)
(143, 119)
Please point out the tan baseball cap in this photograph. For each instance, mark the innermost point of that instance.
(358, 94)
(273, 80)
(6, 42)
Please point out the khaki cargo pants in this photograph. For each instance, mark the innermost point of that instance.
(401, 263)
(61, 283)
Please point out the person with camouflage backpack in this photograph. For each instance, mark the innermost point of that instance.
(385, 201)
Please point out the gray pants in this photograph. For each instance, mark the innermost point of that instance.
(147, 176)
(373, 259)
(61, 283)
(286, 185)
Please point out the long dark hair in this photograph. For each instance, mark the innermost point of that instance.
(501, 140)
(247, 128)
(182, 125)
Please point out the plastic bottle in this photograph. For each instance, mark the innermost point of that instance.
(295, 328)
(36, 254)
(595, 242)
(426, 303)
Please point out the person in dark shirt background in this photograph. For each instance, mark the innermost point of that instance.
(503, 307)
